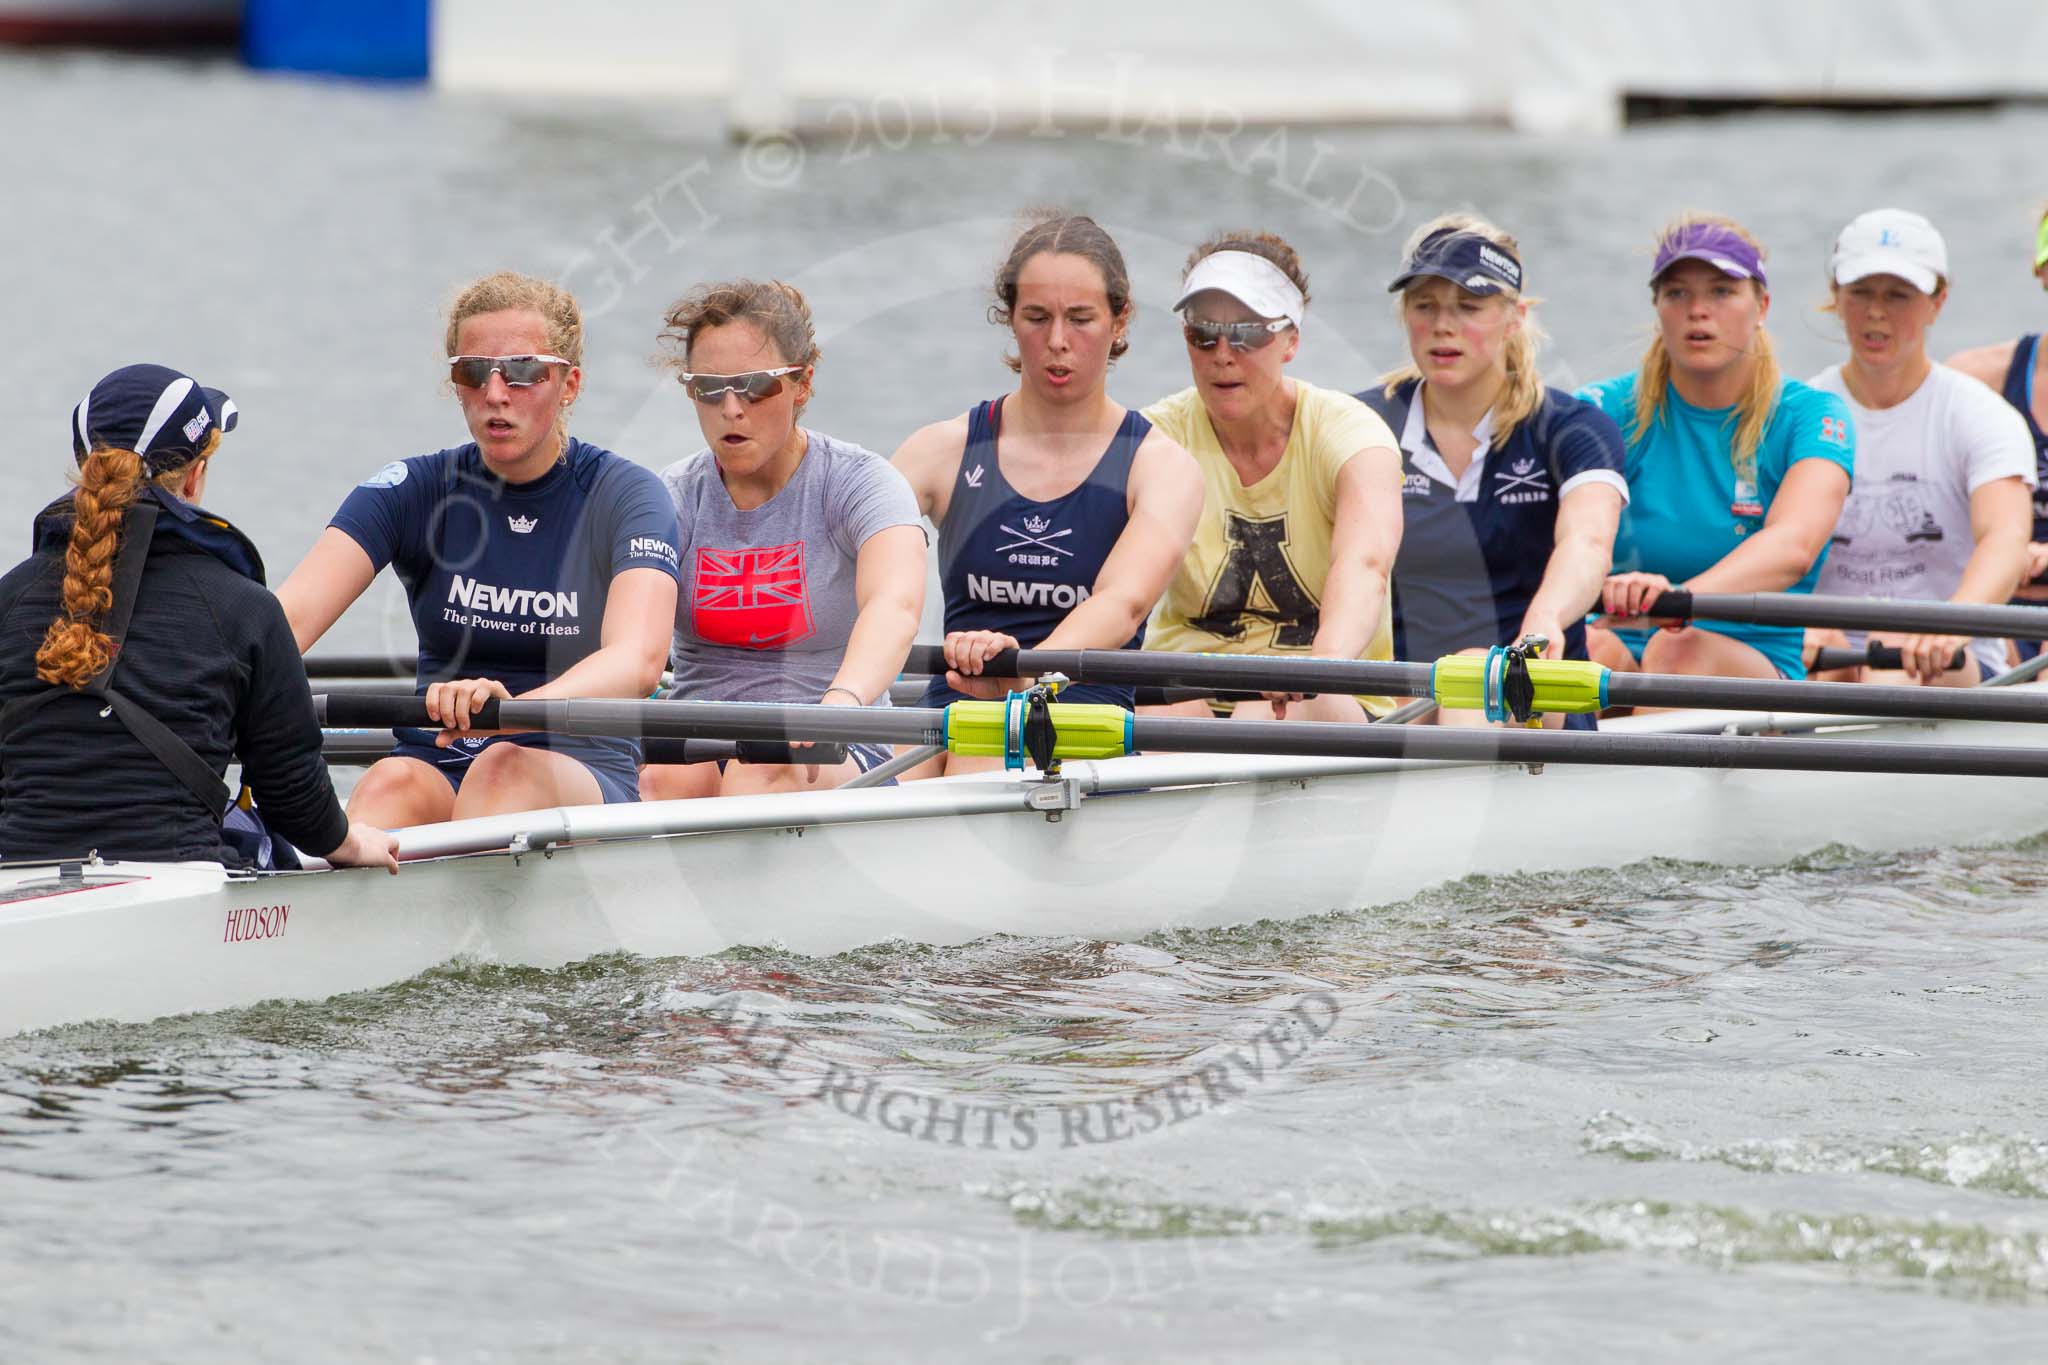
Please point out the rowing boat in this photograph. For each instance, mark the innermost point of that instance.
(1111, 849)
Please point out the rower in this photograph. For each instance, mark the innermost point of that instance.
(143, 650)
(1301, 512)
(536, 564)
(1510, 491)
(803, 556)
(1942, 504)
(1061, 515)
(1736, 475)
(2015, 368)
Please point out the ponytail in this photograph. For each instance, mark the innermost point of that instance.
(75, 649)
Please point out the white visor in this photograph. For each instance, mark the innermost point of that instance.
(1252, 280)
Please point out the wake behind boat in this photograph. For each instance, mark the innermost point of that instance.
(1112, 849)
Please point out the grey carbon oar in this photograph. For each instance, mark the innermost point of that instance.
(1592, 686)
(354, 748)
(1080, 730)
(1854, 613)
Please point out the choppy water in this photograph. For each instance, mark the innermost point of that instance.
(1666, 1111)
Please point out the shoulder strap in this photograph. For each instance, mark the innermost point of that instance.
(138, 529)
(193, 772)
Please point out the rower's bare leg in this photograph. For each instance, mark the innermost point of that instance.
(756, 779)
(397, 792)
(947, 765)
(1324, 706)
(1966, 676)
(1702, 653)
(1605, 648)
(1196, 709)
(678, 781)
(511, 777)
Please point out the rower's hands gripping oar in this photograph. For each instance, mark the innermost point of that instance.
(1631, 599)
(454, 706)
(970, 655)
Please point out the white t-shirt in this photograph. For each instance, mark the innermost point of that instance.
(1905, 530)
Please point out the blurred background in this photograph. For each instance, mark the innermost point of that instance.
(282, 196)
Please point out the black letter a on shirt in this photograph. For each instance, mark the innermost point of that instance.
(1258, 558)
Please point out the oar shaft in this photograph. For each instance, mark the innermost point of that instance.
(1458, 744)
(1848, 699)
(599, 716)
(1249, 673)
(1855, 613)
(321, 666)
(1255, 672)
(912, 726)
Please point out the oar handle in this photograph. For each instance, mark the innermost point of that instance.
(1870, 656)
(387, 711)
(1854, 613)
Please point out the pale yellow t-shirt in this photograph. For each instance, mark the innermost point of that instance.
(1252, 582)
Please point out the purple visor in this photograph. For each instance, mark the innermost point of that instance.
(1722, 248)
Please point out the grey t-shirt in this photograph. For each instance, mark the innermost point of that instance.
(767, 598)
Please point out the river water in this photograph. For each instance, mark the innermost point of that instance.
(1658, 1111)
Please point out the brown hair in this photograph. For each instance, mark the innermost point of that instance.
(777, 310)
(1265, 244)
(1523, 394)
(1058, 232)
(74, 648)
(1759, 398)
(508, 290)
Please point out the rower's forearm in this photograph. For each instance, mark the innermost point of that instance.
(1571, 581)
(1104, 621)
(617, 670)
(1996, 569)
(875, 650)
(1353, 602)
(1772, 560)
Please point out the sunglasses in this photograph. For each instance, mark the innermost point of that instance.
(1242, 336)
(520, 371)
(756, 386)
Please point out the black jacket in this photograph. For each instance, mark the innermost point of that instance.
(209, 653)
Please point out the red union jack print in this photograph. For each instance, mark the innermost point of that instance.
(753, 599)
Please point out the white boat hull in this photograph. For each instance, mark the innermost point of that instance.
(941, 863)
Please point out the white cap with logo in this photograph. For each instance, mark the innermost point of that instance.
(1890, 242)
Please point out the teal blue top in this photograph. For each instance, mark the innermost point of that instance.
(1688, 507)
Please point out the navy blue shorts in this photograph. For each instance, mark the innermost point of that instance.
(614, 764)
(936, 693)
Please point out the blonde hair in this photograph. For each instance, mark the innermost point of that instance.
(1523, 392)
(1759, 397)
(75, 649)
(508, 290)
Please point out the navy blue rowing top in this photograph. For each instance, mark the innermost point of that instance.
(2019, 391)
(1013, 564)
(1473, 551)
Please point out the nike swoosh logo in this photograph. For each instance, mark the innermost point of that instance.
(758, 639)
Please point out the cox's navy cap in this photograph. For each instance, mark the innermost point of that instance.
(1466, 259)
(162, 415)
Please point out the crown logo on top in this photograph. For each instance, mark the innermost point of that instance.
(1036, 525)
(522, 525)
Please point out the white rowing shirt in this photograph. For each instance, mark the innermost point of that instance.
(1905, 529)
